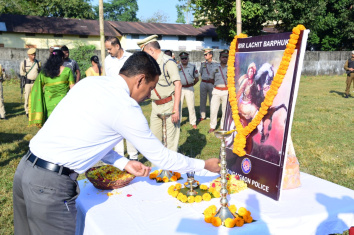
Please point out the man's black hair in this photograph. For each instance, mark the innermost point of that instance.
(141, 63)
(64, 48)
(113, 40)
(168, 52)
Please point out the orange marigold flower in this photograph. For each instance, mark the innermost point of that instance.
(281, 71)
(293, 41)
(290, 46)
(198, 198)
(203, 187)
(289, 51)
(165, 179)
(152, 176)
(177, 174)
(173, 178)
(247, 218)
(239, 222)
(158, 179)
(294, 36)
(242, 211)
(229, 223)
(301, 27)
(296, 31)
(178, 186)
(184, 198)
(216, 194)
(233, 209)
(191, 199)
(208, 219)
(216, 221)
(175, 194)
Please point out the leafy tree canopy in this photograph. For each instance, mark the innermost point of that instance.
(119, 10)
(158, 17)
(55, 8)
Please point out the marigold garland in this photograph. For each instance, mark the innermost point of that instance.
(153, 176)
(243, 132)
(239, 220)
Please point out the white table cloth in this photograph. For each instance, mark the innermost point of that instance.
(317, 207)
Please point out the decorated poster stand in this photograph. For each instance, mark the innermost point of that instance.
(257, 60)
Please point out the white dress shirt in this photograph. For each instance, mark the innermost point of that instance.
(113, 64)
(100, 122)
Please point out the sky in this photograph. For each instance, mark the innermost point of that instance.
(147, 8)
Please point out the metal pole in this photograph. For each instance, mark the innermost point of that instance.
(100, 11)
(238, 17)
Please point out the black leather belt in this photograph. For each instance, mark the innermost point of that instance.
(48, 165)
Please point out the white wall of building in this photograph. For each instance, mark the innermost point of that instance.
(172, 43)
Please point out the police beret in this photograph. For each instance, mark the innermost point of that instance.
(145, 41)
(31, 51)
(207, 50)
(224, 52)
(183, 54)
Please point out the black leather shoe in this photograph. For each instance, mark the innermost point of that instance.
(346, 96)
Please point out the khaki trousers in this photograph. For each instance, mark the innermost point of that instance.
(2, 108)
(188, 93)
(350, 79)
(132, 152)
(218, 97)
(173, 130)
(28, 89)
(205, 90)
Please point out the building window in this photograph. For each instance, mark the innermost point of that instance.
(182, 38)
(182, 48)
(30, 34)
(30, 46)
(198, 38)
(135, 36)
(2, 45)
(82, 36)
(159, 37)
(215, 39)
(58, 35)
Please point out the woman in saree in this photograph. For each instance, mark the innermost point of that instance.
(50, 87)
(95, 69)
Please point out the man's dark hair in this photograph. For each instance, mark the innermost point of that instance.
(113, 40)
(64, 48)
(168, 52)
(141, 63)
(211, 53)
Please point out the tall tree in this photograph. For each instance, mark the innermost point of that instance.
(184, 11)
(180, 15)
(330, 21)
(55, 8)
(222, 14)
(158, 17)
(119, 10)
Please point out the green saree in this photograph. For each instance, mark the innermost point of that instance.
(46, 94)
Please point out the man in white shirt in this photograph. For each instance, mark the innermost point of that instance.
(113, 63)
(45, 187)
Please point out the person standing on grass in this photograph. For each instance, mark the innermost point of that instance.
(113, 64)
(50, 87)
(45, 186)
(349, 68)
(70, 63)
(29, 70)
(166, 96)
(2, 107)
(189, 77)
(220, 91)
(206, 85)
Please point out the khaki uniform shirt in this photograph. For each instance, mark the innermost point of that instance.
(171, 71)
(0, 72)
(220, 79)
(34, 71)
(206, 70)
(187, 74)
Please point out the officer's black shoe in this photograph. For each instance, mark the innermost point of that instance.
(346, 96)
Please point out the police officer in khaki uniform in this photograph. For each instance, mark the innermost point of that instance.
(29, 68)
(167, 94)
(189, 77)
(349, 69)
(206, 85)
(220, 92)
(2, 108)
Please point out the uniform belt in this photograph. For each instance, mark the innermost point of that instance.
(207, 81)
(48, 165)
(163, 101)
(28, 81)
(221, 88)
(189, 85)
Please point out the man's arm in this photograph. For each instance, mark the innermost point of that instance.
(78, 75)
(346, 67)
(22, 69)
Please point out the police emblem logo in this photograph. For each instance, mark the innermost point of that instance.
(246, 165)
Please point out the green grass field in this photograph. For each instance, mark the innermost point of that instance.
(322, 131)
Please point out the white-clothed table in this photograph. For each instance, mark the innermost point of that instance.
(317, 207)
